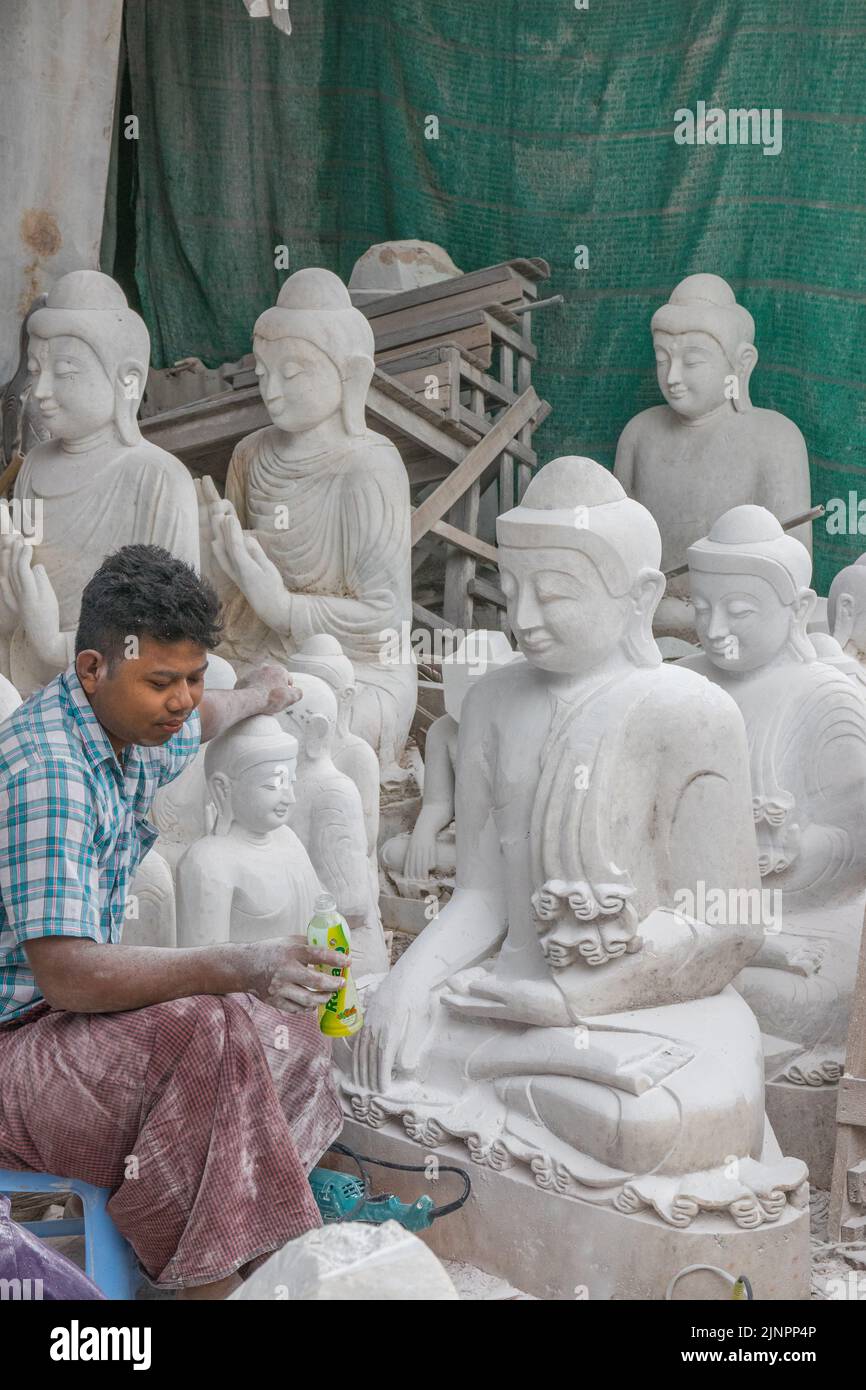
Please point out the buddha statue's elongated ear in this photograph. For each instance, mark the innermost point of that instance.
(747, 356)
(357, 375)
(802, 609)
(843, 625)
(219, 787)
(644, 596)
(129, 385)
(318, 735)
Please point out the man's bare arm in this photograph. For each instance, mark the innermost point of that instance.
(267, 690)
(85, 976)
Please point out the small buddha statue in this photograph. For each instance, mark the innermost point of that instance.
(328, 818)
(182, 810)
(423, 860)
(806, 726)
(708, 448)
(313, 535)
(250, 879)
(94, 485)
(563, 1010)
(846, 614)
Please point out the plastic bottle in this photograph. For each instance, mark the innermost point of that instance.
(341, 1016)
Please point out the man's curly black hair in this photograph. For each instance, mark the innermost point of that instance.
(143, 591)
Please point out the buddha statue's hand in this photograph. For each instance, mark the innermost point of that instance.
(36, 602)
(421, 852)
(396, 1022)
(242, 558)
(211, 509)
(9, 615)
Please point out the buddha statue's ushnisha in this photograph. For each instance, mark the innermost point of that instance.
(313, 534)
(561, 1011)
(95, 485)
(708, 449)
(806, 726)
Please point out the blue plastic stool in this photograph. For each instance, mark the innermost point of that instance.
(109, 1259)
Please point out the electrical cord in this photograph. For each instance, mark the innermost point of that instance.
(360, 1159)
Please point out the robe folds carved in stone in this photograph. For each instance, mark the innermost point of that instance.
(92, 504)
(806, 728)
(337, 528)
(633, 1081)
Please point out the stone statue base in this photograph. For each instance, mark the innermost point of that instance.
(804, 1121)
(562, 1248)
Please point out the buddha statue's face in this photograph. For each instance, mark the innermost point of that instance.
(741, 622)
(262, 795)
(300, 385)
(692, 372)
(562, 616)
(72, 392)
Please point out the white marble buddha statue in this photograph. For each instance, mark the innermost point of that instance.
(708, 448)
(250, 879)
(559, 1012)
(328, 818)
(313, 534)
(806, 726)
(95, 485)
(846, 614)
(182, 810)
(419, 860)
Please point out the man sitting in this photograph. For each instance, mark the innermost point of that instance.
(193, 1083)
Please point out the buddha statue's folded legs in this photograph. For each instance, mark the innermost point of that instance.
(648, 1109)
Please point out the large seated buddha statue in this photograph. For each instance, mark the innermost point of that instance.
(806, 726)
(94, 485)
(561, 1012)
(707, 449)
(313, 533)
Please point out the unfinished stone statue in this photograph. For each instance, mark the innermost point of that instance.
(806, 724)
(9, 698)
(251, 879)
(422, 860)
(313, 535)
(559, 1012)
(150, 918)
(95, 485)
(182, 810)
(392, 267)
(846, 613)
(328, 819)
(708, 449)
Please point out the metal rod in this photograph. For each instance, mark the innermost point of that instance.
(534, 304)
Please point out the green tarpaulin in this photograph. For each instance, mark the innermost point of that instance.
(556, 130)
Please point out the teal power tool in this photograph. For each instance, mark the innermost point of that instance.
(343, 1197)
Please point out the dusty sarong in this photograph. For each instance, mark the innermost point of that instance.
(204, 1115)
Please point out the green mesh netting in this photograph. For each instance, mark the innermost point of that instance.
(555, 130)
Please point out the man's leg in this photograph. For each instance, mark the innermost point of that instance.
(174, 1108)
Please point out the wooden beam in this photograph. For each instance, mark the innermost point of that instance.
(481, 588)
(471, 544)
(431, 620)
(478, 459)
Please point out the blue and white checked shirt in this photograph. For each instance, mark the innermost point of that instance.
(73, 825)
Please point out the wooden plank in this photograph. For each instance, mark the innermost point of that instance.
(851, 1105)
(428, 619)
(478, 459)
(433, 436)
(481, 424)
(427, 332)
(475, 339)
(491, 593)
(441, 290)
(430, 311)
(521, 344)
(471, 544)
(458, 601)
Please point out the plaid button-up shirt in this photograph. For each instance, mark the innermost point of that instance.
(73, 825)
